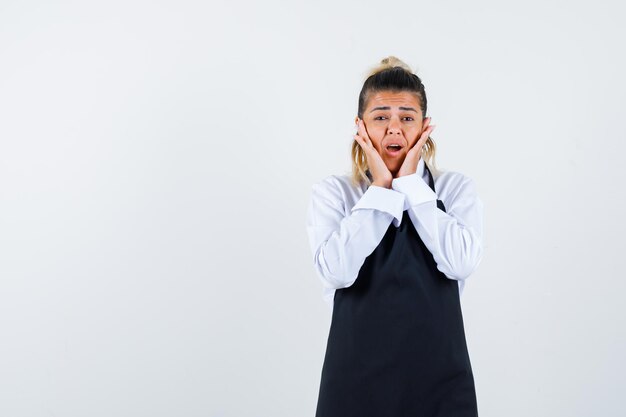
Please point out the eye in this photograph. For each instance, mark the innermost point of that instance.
(407, 118)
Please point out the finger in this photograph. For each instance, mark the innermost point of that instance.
(364, 145)
(363, 132)
(425, 136)
(427, 132)
(359, 127)
(426, 125)
(359, 140)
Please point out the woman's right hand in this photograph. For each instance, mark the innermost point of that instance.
(381, 176)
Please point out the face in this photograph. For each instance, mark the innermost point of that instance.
(393, 118)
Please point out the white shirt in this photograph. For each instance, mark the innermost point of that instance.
(346, 223)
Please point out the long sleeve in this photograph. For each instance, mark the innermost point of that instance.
(454, 237)
(340, 242)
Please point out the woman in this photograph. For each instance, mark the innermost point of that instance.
(393, 245)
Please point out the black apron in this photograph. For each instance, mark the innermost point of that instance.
(396, 345)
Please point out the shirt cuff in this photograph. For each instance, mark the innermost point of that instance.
(415, 189)
(383, 199)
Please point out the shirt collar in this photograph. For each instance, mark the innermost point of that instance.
(421, 172)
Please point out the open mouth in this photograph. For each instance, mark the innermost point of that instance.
(394, 149)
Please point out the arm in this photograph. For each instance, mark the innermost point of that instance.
(339, 242)
(454, 237)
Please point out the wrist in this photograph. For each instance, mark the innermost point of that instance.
(385, 184)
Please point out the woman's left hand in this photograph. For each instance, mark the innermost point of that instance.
(409, 166)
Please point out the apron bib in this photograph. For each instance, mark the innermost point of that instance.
(396, 345)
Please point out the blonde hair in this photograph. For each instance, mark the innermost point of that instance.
(391, 74)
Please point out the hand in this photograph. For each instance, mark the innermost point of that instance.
(412, 158)
(381, 176)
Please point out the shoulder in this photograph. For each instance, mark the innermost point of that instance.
(453, 184)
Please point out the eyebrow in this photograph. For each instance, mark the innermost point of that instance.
(389, 108)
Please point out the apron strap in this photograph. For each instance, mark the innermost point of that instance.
(431, 183)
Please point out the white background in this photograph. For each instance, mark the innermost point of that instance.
(156, 160)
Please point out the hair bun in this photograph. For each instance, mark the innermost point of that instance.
(389, 62)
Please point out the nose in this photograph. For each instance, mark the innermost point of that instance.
(394, 127)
